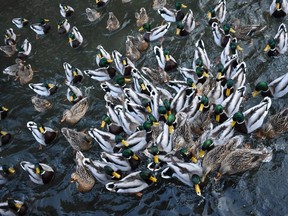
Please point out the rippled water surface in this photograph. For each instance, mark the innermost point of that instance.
(258, 192)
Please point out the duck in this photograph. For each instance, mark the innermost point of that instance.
(276, 89)
(253, 118)
(275, 125)
(25, 74)
(141, 17)
(241, 160)
(101, 53)
(42, 27)
(165, 61)
(20, 22)
(157, 76)
(74, 94)
(188, 173)
(73, 75)
(3, 112)
(138, 42)
(43, 89)
(66, 10)
(112, 127)
(172, 15)
(101, 3)
(9, 35)
(63, 26)
(278, 44)
(44, 135)
(187, 25)
(5, 172)
(75, 38)
(201, 58)
(278, 8)
(218, 13)
(82, 177)
(41, 105)
(135, 182)
(79, 141)
(13, 69)
(230, 50)
(25, 49)
(112, 22)
(92, 14)
(10, 49)
(76, 112)
(131, 49)
(39, 173)
(13, 207)
(221, 36)
(155, 33)
(5, 137)
(157, 4)
(101, 74)
(123, 64)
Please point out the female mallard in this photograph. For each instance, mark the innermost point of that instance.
(13, 207)
(187, 25)
(74, 94)
(25, 74)
(12, 70)
(43, 135)
(41, 105)
(77, 111)
(252, 118)
(155, 33)
(278, 44)
(132, 51)
(278, 8)
(63, 27)
(112, 22)
(275, 125)
(218, 13)
(5, 137)
(158, 76)
(79, 141)
(188, 173)
(3, 112)
(73, 74)
(241, 160)
(221, 36)
(101, 3)
(20, 22)
(41, 27)
(92, 14)
(25, 49)
(10, 49)
(39, 173)
(82, 177)
(141, 17)
(75, 38)
(43, 89)
(139, 42)
(133, 183)
(66, 10)
(5, 173)
(276, 89)
(172, 15)
(165, 61)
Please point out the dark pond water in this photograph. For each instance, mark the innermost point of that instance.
(258, 192)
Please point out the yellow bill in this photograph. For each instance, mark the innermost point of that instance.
(217, 118)
(178, 31)
(233, 123)
(125, 143)
(116, 175)
(228, 92)
(153, 179)
(201, 107)
(156, 159)
(267, 48)
(201, 153)
(135, 157)
(103, 123)
(255, 93)
(197, 189)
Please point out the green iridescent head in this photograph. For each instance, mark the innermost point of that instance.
(207, 144)
(106, 119)
(238, 117)
(162, 110)
(199, 62)
(167, 104)
(147, 176)
(152, 118)
(218, 109)
(261, 86)
(120, 80)
(199, 71)
(230, 83)
(147, 26)
(272, 43)
(39, 169)
(119, 138)
(196, 179)
(204, 100)
(127, 153)
(153, 150)
(147, 125)
(171, 119)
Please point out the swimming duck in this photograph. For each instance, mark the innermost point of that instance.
(3, 112)
(73, 74)
(218, 13)
(92, 14)
(158, 76)
(101, 53)
(201, 58)
(9, 35)
(5, 137)
(63, 27)
(278, 8)
(43, 89)
(278, 44)
(20, 22)
(5, 171)
(41, 27)
(141, 17)
(13, 207)
(164, 59)
(13, 69)
(10, 49)
(139, 42)
(112, 127)
(112, 22)
(79, 141)
(101, 3)
(74, 94)
(25, 49)
(25, 74)
(77, 111)
(252, 118)
(230, 50)
(82, 176)
(172, 15)
(75, 38)
(41, 105)
(131, 49)
(187, 25)
(275, 125)
(188, 173)
(221, 36)
(66, 10)
(39, 173)
(123, 64)
(101, 74)
(44, 135)
(241, 160)
(155, 33)
(276, 89)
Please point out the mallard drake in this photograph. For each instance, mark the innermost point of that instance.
(123, 64)
(13, 207)
(83, 178)
(165, 138)
(112, 127)
(188, 173)
(278, 44)
(101, 171)
(201, 58)
(3, 112)
(75, 38)
(5, 171)
(25, 49)
(25, 74)
(218, 13)
(73, 74)
(133, 183)
(221, 36)
(252, 118)
(141, 17)
(39, 173)
(101, 53)
(92, 14)
(187, 25)
(79, 141)
(63, 27)
(13, 69)
(5, 137)
(43, 135)
(155, 33)
(101, 74)
(164, 59)
(20, 22)
(101, 3)
(74, 94)
(41, 27)
(41, 105)
(276, 89)
(66, 10)
(77, 111)
(241, 160)
(278, 8)
(230, 50)
(239, 75)
(172, 15)
(43, 89)
(9, 35)
(112, 22)
(275, 125)
(106, 140)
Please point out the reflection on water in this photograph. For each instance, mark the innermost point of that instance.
(259, 192)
